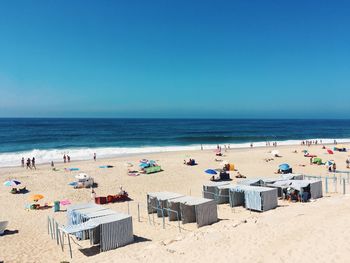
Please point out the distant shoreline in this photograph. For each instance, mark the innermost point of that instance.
(190, 149)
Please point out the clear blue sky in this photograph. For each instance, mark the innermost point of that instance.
(256, 59)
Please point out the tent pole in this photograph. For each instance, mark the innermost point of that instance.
(70, 247)
(62, 241)
(57, 234)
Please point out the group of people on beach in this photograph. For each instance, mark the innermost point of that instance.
(66, 158)
(274, 144)
(309, 143)
(30, 163)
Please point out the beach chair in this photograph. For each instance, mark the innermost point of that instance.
(3, 225)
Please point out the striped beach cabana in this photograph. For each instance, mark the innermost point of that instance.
(210, 189)
(194, 209)
(253, 197)
(223, 193)
(251, 182)
(314, 187)
(103, 226)
(158, 200)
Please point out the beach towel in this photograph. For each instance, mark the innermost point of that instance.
(106, 166)
(71, 169)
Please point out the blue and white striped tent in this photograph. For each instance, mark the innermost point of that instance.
(210, 190)
(253, 197)
(158, 200)
(252, 182)
(314, 187)
(103, 226)
(194, 209)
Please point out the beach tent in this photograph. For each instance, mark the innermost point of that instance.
(317, 160)
(222, 193)
(210, 190)
(253, 197)
(103, 226)
(3, 225)
(292, 176)
(314, 187)
(252, 182)
(232, 167)
(194, 209)
(158, 200)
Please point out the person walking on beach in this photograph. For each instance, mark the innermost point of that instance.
(347, 163)
(52, 164)
(22, 161)
(251, 145)
(201, 147)
(68, 158)
(33, 163)
(28, 164)
(93, 194)
(64, 158)
(334, 167)
(94, 156)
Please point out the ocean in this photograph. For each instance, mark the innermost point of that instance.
(48, 139)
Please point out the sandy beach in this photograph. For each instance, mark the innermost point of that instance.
(293, 232)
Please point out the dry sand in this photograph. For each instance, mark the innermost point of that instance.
(293, 232)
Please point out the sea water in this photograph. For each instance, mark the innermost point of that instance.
(49, 139)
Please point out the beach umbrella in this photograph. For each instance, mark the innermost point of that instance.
(210, 171)
(36, 197)
(284, 166)
(329, 162)
(12, 183)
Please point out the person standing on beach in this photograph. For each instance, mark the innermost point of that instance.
(94, 156)
(28, 164)
(52, 164)
(93, 194)
(68, 158)
(22, 161)
(347, 163)
(64, 158)
(334, 167)
(202, 147)
(251, 145)
(33, 163)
